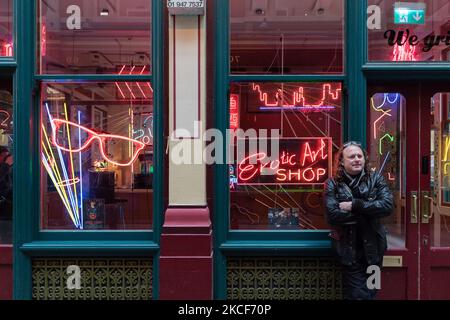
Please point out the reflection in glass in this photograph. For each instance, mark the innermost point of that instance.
(283, 192)
(387, 141)
(440, 174)
(6, 28)
(97, 156)
(287, 36)
(421, 28)
(94, 37)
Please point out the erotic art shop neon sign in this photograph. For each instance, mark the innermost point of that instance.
(301, 161)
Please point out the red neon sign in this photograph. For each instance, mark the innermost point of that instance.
(405, 52)
(301, 161)
(133, 89)
(297, 98)
(234, 111)
(8, 50)
(57, 123)
(43, 40)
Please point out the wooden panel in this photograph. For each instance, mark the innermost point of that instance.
(6, 272)
(440, 284)
(393, 284)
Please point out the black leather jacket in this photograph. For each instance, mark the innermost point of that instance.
(358, 234)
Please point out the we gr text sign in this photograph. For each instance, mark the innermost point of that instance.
(186, 7)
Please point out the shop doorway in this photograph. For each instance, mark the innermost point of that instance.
(410, 125)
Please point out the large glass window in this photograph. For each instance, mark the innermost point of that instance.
(409, 31)
(387, 119)
(6, 161)
(97, 155)
(440, 174)
(287, 36)
(95, 37)
(282, 190)
(6, 28)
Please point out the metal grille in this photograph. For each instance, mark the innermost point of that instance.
(283, 278)
(101, 279)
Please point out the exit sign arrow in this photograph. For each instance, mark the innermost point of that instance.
(417, 16)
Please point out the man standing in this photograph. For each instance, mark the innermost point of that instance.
(355, 200)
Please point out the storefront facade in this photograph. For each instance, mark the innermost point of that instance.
(107, 97)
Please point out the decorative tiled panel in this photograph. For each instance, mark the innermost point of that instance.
(283, 278)
(101, 279)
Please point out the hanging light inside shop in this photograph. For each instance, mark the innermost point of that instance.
(104, 12)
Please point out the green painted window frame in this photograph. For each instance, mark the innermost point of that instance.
(261, 242)
(28, 240)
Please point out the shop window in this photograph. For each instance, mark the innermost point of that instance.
(287, 36)
(6, 28)
(6, 161)
(282, 190)
(409, 31)
(387, 152)
(94, 37)
(97, 155)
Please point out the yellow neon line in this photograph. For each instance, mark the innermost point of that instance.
(447, 145)
(60, 192)
(58, 174)
(71, 158)
(63, 196)
(51, 153)
(58, 189)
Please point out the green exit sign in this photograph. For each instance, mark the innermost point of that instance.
(409, 13)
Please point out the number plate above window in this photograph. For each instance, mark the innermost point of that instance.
(186, 7)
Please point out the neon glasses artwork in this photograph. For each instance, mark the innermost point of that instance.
(66, 170)
(61, 139)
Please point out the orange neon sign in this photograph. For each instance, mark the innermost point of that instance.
(301, 161)
(92, 135)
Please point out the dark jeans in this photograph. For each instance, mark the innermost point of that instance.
(354, 282)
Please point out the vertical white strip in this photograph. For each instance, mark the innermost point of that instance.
(187, 78)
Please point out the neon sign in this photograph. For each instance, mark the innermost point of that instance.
(133, 93)
(57, 123)
(43, 40)
(142, 134)
(64, 178)
(301, 161)
(297, 99)
(299, 108)
(8, 49)
(4, 123)
(405, 52)
(234, 111)
(380, 143)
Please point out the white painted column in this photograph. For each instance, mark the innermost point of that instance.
(187, 110)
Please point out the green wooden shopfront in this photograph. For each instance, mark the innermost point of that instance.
(92, 91)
